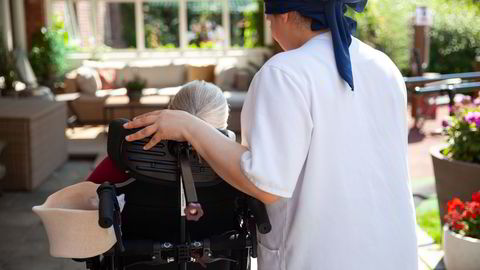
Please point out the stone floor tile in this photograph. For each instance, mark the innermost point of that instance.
(422, 265)
(423, 239)
(432, 256)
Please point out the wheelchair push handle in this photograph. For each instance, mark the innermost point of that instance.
(106, 206)
(260, 214)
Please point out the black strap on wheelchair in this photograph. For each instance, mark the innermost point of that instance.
(193, 210)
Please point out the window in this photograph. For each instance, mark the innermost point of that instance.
(246, 23)
(159, 24)
(116, 25)
(205, 29)
(75, 16)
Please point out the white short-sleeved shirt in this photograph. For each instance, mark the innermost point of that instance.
(337, 158)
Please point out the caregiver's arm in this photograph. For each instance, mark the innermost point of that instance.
(221, 153)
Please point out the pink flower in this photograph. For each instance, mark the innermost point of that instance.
(472, 117)
(445, 123)
(476, 102)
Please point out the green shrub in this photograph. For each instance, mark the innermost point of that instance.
(455, 34)
(47, 55)
(428, 218)
(253, 32)
(385, 25)
(8, 72)
(430, 223)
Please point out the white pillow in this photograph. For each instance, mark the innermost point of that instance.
(88, 80)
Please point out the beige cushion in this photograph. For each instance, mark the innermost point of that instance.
(205, 73)
(108, 72)
(104, 64)
(243, 77)
(225, 78)
(156, 76)
(88, 80)
(70, 82)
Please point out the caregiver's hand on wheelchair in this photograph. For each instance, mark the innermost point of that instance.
(162, 125)
(221, 153)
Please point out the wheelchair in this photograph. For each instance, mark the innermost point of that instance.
(178, 214)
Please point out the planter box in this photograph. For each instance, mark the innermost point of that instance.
(34, 131)
(453, 179)
(461, 253)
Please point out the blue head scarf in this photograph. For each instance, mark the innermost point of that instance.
(326, 14)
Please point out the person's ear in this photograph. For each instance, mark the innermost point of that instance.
(284, 17)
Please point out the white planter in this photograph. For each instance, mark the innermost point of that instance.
(461, 253)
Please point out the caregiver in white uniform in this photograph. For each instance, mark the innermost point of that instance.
(324, 146)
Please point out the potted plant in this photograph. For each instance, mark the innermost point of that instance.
(457, 164)
(47, 54)
(8, 73)
(134, 88)
(461, 234)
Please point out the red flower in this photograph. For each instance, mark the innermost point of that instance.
(476, 197)
(458, 226)
(454, 204)
(472, 210)
(464, 216)
(453, 217)
(469, 215)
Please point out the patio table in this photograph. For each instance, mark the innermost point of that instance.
(450, 84)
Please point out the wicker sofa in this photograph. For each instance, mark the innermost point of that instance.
(89, 107)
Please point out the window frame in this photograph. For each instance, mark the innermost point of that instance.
(141, 49)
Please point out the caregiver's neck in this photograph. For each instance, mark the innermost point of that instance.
(291, 30)
(299, 38)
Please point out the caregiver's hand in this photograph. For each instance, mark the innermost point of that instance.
(163, 125)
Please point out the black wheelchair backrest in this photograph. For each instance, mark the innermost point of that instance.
(157, 165)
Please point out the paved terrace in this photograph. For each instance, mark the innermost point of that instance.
(24, 244)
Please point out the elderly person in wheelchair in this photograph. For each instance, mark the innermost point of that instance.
(174, 211)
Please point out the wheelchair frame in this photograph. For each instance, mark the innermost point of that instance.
(177, 157)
